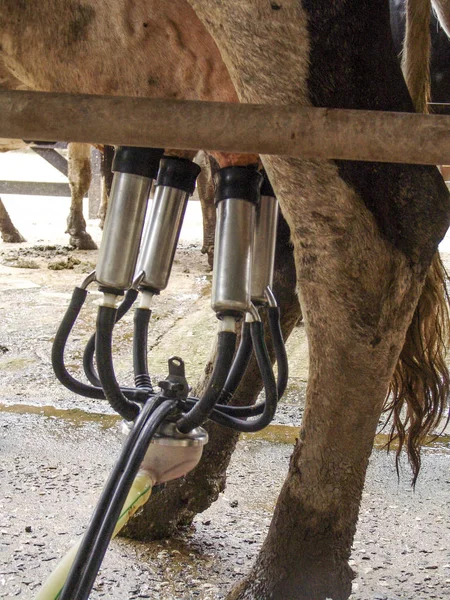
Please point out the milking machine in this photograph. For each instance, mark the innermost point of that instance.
(163, 425)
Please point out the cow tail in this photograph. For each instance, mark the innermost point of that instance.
(421, 382)
(420, 386)
(417, 52)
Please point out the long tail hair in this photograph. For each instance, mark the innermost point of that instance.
(420, 385)
(419, 389)
(416, 52)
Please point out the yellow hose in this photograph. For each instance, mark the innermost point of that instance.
(138, 495)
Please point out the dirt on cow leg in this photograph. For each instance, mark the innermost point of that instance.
(306, 552)
(178, 503)
(10, 234)
(79, 174)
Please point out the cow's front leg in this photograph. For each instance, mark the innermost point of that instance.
(79, 174)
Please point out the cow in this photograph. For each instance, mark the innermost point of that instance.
(79, 175)
(364, 235)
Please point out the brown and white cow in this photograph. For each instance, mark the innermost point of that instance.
(79, 175)
(364, 234)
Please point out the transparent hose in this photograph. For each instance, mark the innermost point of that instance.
(138, 495)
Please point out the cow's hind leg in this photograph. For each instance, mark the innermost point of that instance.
(79, 180)
(364, 236)
(9, 233)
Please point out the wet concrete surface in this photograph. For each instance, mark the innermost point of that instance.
(57, 449)
(54, 466)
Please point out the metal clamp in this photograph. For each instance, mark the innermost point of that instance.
(175, 385)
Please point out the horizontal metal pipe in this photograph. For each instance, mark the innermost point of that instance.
(305, 132)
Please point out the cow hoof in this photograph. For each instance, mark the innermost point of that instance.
(209, 251)
(13, 238)
(83, 242)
